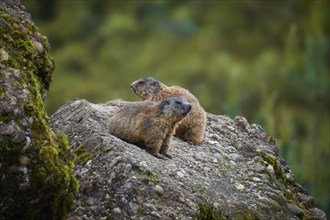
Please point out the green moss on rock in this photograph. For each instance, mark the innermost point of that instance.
(37, 180)
(83, 155)
(148, 175)
(18, 40)
(280, 175)
(207, 212)
(4, 144)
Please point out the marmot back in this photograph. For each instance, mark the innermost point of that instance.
(191, 128)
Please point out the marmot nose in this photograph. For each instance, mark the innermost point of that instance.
(132, 88)
(186, 109)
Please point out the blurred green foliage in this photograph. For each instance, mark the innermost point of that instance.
(265, 60)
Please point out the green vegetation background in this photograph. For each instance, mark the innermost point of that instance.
(265, 60)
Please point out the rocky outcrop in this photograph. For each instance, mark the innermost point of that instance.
(36, 166)
(236, 173)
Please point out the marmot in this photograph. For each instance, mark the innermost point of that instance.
(191, 128)
(149, 125)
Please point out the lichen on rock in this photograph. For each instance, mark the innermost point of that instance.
(236, 173)
(36, 165)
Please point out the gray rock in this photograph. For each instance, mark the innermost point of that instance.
(239, 186)
(295, 209)
(91, 201)
(218, 157)
(259, 168)
(116, 211)
(38, 47)
(256, 179)
(179, 174)
(270, 169)
(200, 155)
(235, 157)
(3, 54)
(159, 190)
(144, 187)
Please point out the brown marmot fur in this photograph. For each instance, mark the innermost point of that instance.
(149, 125)
(191, 128)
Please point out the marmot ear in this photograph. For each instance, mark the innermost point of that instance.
(155, 83)
(163, 103)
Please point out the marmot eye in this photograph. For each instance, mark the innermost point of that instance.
(141, 82)
(178, 102)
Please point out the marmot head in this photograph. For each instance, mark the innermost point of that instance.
(174, 108)
(146, 87)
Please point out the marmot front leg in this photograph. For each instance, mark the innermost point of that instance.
(166, 146)
(153, 147)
